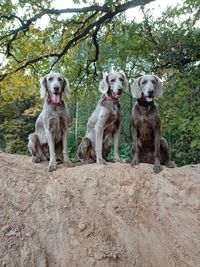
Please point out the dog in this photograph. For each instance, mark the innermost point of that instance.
(148, 144)
(103, 127)
(49, 141)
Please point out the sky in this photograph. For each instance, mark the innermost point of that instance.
(158, 4)
(156, 7)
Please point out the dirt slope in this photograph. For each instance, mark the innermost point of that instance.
(101, 216)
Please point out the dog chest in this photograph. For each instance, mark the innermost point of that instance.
(145, 127)
(114, 119)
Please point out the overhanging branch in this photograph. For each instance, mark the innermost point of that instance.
(104, 14)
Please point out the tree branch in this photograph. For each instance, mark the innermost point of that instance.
(104, 12)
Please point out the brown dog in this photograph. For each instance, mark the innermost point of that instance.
(148, 144)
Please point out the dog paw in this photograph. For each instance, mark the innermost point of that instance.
(36, 160)
(69, 164)
(101, 161)
(170, 164)
(51, 168)
(157, 168)
(134, 164)
(118, 160)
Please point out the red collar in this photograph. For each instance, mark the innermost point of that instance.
(52, 103)
(109, 98)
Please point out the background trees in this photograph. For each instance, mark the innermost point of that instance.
(84, 45)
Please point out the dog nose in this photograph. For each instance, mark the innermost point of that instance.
(56, 88)
(120, 91)
(150, 92)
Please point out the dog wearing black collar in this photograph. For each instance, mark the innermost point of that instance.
(148, 144)
(103, 127)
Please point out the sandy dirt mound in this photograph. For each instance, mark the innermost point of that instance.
(94, 215)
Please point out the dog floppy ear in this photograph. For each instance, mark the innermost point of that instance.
(103, 85)
(135, 88)
(124, 76)
(66, 88)
(43, 87)
(159, 87)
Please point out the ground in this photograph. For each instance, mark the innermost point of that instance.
(98, 216)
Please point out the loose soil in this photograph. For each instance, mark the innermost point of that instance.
(98, 216)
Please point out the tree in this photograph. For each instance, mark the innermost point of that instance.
(62, 35)
(167, 46)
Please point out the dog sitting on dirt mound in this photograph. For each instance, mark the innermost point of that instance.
(148, 144)
(103, 127)
(49, 141)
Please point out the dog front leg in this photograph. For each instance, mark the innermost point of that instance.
(65, 149)
(116, 146)
(98, 143)
(52, 162)
(135, 148)
(157, 166)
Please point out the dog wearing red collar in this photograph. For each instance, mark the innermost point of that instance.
(103, 127)
(49, 141)
(148, 144)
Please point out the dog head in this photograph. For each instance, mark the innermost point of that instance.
(147, 86)
(54, 84)
(113, 84)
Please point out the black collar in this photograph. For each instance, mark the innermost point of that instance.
(143, 103)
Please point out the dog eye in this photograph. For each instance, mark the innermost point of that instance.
(121, 79)
(59, 79)
(50, 79)
(144, 82)
(153, 81)
(112, 80)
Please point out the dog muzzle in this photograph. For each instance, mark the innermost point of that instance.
(54, 99)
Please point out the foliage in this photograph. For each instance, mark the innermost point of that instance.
(167, 46)
(15, 125)
(181, 116)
